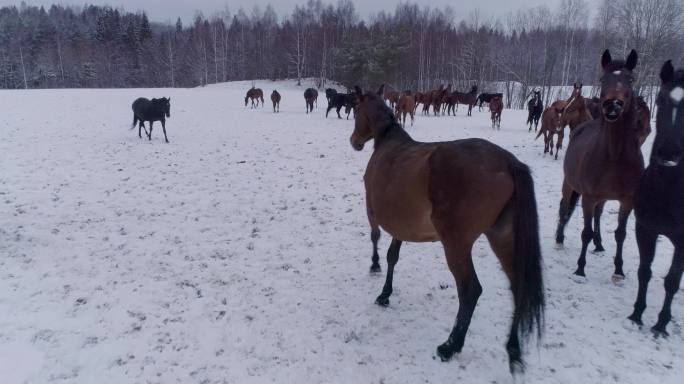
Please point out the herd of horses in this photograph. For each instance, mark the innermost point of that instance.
(425, 192)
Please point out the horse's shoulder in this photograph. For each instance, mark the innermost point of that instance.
(590, 126)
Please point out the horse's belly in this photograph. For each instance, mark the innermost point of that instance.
(405, 218)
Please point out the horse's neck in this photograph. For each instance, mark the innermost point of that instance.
(392, 136)
(621, 138)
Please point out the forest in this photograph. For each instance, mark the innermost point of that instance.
(410, 47)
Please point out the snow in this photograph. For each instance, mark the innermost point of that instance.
(239, 253)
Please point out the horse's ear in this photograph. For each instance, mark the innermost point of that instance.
(632, 60)
(606, 59)
(359, 93)
(667, 72)
(381, 90)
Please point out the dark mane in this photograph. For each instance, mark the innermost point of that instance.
(384, 119)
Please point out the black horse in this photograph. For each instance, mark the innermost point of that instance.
(659, 199)
(486, 98)
(151, 110)
(339, 100)
(310, 96)
(535, 107)
(329, 93)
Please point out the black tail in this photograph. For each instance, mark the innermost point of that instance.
(135, 121)
(527, 284)
(540, 133)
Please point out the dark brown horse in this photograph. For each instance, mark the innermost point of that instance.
(423, 192)
(405, 106)
(551, 125)
(151, 110)
(255, 94)
(310, 97)
(659, 199)
(468, 99)
(440, 100)
(275, 99)
(496, 107)
(603, 161)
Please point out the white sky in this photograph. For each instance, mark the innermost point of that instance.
(164, 10)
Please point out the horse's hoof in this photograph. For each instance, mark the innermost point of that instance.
(382, 301)
(636, 320)
(579, 279)
(659, 331)
(599, 248)
(445, 352)
(618, 279)
(375, 268)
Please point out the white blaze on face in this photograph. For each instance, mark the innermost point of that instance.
(617, 72)
(677, 94)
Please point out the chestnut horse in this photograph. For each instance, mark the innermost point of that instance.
(551, 125)
(576, 111)
(496, 107)
(405, 106)
(659, 198)
(453, 192)
(603, 161)
(255, 94)
(275, 99)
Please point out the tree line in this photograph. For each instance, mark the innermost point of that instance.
(412, 47)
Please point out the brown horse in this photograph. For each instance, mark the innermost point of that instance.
(496, 107)
(551, 125)
(275, 98)
(405, 106)
(576, 111)
(310, 97)
(418, 98)
(440, 100)
(423, 192)
(603, 161)
(427, 101)
(255, 94)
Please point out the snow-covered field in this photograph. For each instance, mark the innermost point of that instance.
(239, 253)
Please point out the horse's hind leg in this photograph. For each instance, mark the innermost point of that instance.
(588, 206)
(149, 135)
(646, 240)
(597, 227)
(567, 207)
(620, 234)
(392, 258)
(469, 289)
(672, 281)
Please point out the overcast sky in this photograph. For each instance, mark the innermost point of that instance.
(163, 10)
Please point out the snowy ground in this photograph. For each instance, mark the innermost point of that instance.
(239, 253)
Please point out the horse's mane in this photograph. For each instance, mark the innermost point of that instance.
(384, 119)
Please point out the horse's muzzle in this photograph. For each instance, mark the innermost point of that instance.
(357, 146)
(612, 109)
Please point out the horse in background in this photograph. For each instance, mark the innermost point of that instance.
(468, 99)
(551, 125)
(496, 107)
(310, 96)
(329, 93)
(405, 106)
(275, 99)
(151, 110)
(453, 192)
(659, 198)
(342, 100)
(255, 94)
(535, 107)
(575, 112)
(391, 96)
(604, 161)
(487, 98)
(441, 100)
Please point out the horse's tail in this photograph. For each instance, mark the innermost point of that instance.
(135, 120)
(527, 284)
(540, 133)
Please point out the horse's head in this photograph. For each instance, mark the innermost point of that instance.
(473, 89)
(616, 86)
(373, 117)
(668, 148)
(163, 105)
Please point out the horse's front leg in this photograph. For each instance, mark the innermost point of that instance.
(392, 258)
(620, 234)
(646, 240)
(163, 123)
(672, 281)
